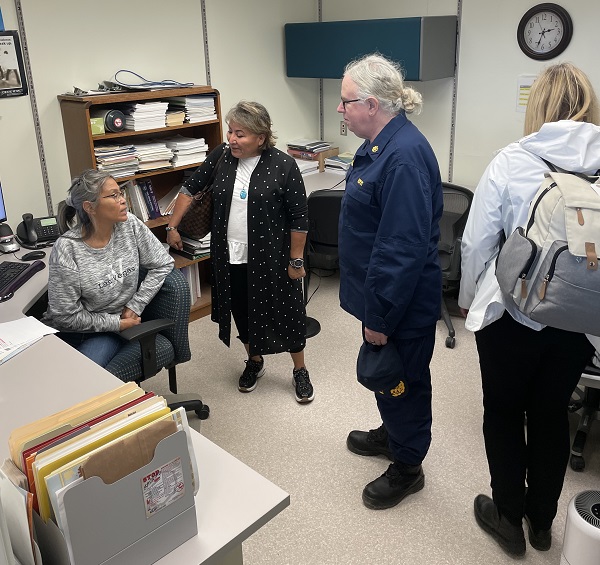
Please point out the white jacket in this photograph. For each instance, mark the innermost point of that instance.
(501, 204)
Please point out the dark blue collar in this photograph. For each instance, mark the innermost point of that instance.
(376, 148)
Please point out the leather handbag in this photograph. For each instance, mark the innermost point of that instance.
(196, 223)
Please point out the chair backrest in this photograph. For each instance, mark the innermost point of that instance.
(323, 215)
(457, 203)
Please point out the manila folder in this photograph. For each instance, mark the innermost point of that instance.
(121, 457)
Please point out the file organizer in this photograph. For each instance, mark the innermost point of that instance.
(108, 523)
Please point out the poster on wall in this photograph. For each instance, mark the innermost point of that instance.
(12, 74)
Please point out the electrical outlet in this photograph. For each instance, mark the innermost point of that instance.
(343, 128)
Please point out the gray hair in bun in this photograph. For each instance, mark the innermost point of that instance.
(84, 188)
(381, 78)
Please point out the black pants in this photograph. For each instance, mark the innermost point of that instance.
(528, 373)
(238, 277)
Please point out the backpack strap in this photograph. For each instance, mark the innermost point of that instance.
(556, 169)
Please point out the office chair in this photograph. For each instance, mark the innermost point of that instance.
(589, 404)
(322, 241)
(160, 342)
(457, 203)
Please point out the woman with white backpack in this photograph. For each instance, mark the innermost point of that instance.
(528, 370)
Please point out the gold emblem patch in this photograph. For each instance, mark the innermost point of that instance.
(399, 390)
(375, 148)
(360, 182)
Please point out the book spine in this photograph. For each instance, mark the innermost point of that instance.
(153, 199)
(147, 200)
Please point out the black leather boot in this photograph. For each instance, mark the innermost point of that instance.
(373, 442)
(539, 539)
(510, 537)
(393, 486)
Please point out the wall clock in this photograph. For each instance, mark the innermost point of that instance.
(544, 31)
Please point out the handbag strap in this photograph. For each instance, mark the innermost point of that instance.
(213, 174)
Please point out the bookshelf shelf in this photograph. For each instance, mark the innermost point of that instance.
(80, 142)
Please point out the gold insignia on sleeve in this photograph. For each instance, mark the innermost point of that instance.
(360, 182)
(399, 390)
(375, 148)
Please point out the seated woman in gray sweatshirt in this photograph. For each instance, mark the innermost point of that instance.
(93, 290)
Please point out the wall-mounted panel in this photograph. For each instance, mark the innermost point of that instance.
(424, 46)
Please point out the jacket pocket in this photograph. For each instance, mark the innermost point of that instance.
(359, 207)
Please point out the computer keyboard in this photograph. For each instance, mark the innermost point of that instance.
(13, 275)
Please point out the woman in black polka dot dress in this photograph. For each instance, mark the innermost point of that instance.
(257, 243)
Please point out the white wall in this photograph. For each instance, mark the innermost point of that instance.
(489, 65)
(81, 42)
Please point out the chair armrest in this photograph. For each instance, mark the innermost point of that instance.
(146, 329)
(146, 333)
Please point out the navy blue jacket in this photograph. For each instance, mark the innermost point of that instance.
(390, 277)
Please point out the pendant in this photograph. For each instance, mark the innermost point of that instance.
(243, 194)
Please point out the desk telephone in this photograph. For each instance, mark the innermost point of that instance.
(33, 233)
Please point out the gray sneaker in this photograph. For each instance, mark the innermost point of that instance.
(253, 371)
(304, 389)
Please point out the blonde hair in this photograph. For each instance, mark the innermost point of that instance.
(561, 92)
(381, 78)
(255, 118)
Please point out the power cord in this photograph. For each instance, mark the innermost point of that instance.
(165, 83)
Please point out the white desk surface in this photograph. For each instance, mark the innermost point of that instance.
(326, 179)
(233, 501)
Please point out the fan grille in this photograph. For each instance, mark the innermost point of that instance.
(587, 504)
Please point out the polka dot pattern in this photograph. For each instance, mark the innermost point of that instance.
(276, 206)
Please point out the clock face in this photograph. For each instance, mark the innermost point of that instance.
(544, 31)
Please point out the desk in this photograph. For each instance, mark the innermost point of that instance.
(327, 179)
(233, 501)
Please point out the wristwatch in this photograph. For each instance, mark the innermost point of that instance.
(171, 228)
(297, 263)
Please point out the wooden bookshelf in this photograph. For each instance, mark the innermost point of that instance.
(80, 142)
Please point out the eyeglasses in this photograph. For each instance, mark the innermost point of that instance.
(344, 102)
(116, 196)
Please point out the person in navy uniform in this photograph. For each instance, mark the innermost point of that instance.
(390, 278)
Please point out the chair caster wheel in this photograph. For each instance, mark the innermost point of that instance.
(577, 463)
(203, 413)
(450, 342)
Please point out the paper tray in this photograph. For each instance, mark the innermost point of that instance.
(108, 523)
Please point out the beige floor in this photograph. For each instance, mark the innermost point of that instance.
(302, 449)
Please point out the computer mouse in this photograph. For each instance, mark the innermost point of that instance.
(33, 255)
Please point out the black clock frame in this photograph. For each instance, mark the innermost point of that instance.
(560, 46)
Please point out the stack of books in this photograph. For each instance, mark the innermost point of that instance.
(187, 150)
(117, 160)
(153, 155)
(308, 149)
(192, 275)
(339, 162)
(145, 115)
(198, 108)
(194, 248)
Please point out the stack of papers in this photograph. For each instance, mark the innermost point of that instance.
(117, 160)
(307, 166)
(153, 155)
(145, 115)
(187, 150)
(198, 108)
(309, 145)
(175, 118)
(19, 334)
